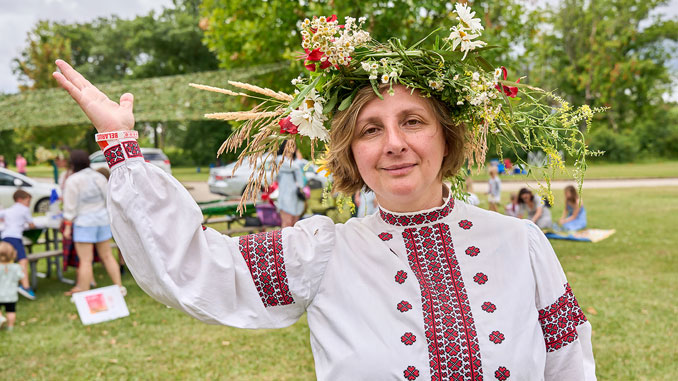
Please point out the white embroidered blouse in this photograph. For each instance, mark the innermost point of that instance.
(454, 292)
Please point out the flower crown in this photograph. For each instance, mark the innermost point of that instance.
(341, 59)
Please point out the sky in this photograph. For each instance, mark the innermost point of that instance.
(17, 17)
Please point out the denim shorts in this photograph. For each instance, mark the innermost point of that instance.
(18, 245)
(91, 234)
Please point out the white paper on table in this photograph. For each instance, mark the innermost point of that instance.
(100, 305)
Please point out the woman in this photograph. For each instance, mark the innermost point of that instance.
(427, 288)
(290, 182)
(533, 209)
(574, 214)
(86, 221)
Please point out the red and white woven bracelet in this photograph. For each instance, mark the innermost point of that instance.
(106, 138)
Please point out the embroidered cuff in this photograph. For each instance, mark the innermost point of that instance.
(117, 152)
(559, 321)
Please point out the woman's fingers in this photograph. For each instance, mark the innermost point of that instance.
(72, 75)
(127, 101)
(68, 86)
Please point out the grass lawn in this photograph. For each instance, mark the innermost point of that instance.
(626, 285)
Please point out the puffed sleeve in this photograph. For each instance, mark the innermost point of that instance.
(567, 332)
(264, 280)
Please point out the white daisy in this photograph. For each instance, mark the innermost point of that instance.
(465, 17)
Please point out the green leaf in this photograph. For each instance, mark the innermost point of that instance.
(347, 101)
(329, 106)
(302, 95)
(375, 87)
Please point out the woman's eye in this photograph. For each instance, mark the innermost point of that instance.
(370, 131)
(412, 122)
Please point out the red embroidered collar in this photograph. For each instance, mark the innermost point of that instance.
(418, 218)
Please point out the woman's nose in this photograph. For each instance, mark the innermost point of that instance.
(395, 139)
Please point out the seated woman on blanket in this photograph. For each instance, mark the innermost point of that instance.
(427, 288)
(533, 208)
(574, 214)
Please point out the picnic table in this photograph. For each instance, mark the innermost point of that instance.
(46, 227)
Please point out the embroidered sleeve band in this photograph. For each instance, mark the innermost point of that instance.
(117, 153)
(559, 321)
(263, 253)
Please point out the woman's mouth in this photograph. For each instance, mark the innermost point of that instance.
(399, 169)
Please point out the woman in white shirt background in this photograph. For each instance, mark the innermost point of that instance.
(86, 220)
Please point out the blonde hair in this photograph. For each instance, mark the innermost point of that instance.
(340, 160)
(7, 252)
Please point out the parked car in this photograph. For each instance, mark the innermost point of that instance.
(154, 156)
(10, 181)
(225, 182)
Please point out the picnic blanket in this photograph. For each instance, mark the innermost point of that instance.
(585, 235)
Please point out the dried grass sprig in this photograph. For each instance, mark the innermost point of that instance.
(243, 115)
(217, 90)
(262, 90)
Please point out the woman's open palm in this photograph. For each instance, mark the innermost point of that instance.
(105, 114)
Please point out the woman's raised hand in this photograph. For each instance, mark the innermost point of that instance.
(106, 115)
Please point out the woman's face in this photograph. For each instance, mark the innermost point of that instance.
(526, 197)
(398, 146)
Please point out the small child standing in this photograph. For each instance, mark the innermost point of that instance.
(513, 208)
(10, 274)
(16, 218)
(494, 192)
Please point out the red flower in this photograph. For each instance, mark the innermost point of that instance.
(286, 125)
(510, 91)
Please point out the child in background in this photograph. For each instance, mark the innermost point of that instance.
(16, 218)
(574, 214)
(513, 208)
(494, 192)
(472, 199)
(10, 274)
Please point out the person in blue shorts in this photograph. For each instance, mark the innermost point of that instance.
(17, 217)
(87, 222)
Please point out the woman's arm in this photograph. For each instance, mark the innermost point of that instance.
(538, 213)
(260, 281)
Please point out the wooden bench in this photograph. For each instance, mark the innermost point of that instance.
(53, 257)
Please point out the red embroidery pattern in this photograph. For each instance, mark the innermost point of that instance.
(465, 224)
(502, 373)
(480, 278)
(385, 236)
(472, 251)
(408, 338)
(113, 155)
(132, 148)
(400, 276)
(417, 219)
(204, 227)
(451, 335)
(264, 256)
(559, 321)
(404, 306)
(497, 337)
(411, 373)
(489, 307)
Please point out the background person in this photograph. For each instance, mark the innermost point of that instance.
(494, 191)
(512, 208)
(574, 214)
(20, 163)
(291, 181)
(533, 208)
(87, 222)
(2, 162)
(10, 274)
(17, 217)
